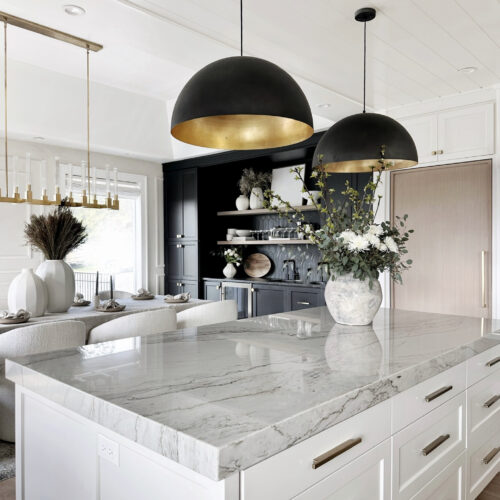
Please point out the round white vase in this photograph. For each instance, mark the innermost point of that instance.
(28, 291)
(229, 271)
(256, 198)
(60, 281)
(352, 301)
(242, 202)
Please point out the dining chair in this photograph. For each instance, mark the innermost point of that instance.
(135, 325)
(117, 294)
(208, 314)
(34, 339)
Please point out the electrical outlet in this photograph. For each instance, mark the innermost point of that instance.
(108, 449)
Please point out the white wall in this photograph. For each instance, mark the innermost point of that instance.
(14, 255)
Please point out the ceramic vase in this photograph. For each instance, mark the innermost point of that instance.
(242, 202)
(351, 301)
(60, 281)
(28, 291)
(229, 271)
(256, 198)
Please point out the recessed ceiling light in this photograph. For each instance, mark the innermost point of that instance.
(39, 138)
(467, 69)
(324, 105)
(74, 10)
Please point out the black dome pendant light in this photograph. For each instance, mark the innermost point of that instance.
(241, 102)
(354, 143)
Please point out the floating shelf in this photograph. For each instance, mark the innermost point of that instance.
(267, 242)
(264, 211)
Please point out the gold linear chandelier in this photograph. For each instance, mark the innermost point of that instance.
(88, 196)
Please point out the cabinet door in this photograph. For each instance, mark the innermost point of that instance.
(423, 130)
(190, 204)
(239, 295)
(268, 300)
(212, 290)
(173, 287)
(304, 299)
(189, 286)
(366, 477)
(466, 132)
(175, 257)
(173, 205)
(189, 260)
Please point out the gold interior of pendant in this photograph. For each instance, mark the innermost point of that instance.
(242, 131)
(358, 166)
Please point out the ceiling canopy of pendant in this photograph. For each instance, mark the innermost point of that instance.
(354, 143)
(242, 103)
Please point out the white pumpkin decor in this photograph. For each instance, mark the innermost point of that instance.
(28, 291)
(59, 279)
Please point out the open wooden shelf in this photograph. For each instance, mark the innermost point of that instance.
(264, 211)
(267, 242)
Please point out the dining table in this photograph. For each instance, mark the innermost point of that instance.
(92, 318)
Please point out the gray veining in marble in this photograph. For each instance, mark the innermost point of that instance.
(223, 397)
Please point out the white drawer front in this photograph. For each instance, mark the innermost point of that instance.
(449, 484)
(427, 446)
(483, 364)
(483, 400)
(484, 456)
(366, 477)
(419, 400)
(291, 472)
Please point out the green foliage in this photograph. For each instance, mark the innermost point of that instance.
(349, 239)
(251, 179)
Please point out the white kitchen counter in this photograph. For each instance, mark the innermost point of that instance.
(219, 399)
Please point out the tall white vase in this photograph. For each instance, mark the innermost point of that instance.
(256, 198)
(60, 281)
(28, 291)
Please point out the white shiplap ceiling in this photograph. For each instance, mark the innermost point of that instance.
(415, 47)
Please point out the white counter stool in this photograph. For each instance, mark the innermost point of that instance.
(135, 325)
(208, 314)
(35, 339)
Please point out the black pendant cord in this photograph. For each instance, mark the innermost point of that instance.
(241, 27)
(364, 69)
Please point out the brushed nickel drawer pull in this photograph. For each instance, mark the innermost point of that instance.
(491, 401)
(435, 444)
(434, 153)
(489, 364)
(335, 452)
(434, 395)
(491, 455)
(304, 303)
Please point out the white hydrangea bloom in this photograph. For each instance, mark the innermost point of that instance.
(375, 230)
(358, 243)
(391, 244)
(382, 247)
(372, 239)
(347, 236)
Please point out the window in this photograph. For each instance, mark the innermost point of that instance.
(114, 243)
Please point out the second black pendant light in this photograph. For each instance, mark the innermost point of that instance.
(354, 143)
(241, 102)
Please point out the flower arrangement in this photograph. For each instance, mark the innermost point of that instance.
(55, 234)
(251, 179)
(350, 240)
(232, 256)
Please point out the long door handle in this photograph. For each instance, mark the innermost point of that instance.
(435, 444)
(491, 401)
(483, 278)
(493, 362)
(491, 455)
(434, 395)
(335, 452)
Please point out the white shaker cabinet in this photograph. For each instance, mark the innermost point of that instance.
(453, 134)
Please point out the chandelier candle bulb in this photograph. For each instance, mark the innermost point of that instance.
(15, 187)
(28, 172)
(70, 188)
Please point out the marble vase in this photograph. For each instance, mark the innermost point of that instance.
(242, 202)
(256, 198)
(351, 301)
(60, 281)
(229, 271)
(28, 291)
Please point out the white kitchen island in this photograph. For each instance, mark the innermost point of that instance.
(289, 405)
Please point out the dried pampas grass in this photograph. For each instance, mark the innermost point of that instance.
(55, 234)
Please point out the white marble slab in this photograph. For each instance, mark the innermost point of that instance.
(221, 398)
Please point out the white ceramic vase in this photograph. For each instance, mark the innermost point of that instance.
(242, 202)
(352, 301)
(256, 198)
(229, 271)
(28, 291)
(60, 281)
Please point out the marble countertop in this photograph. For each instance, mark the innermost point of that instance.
(224, 397)
(270, 281)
